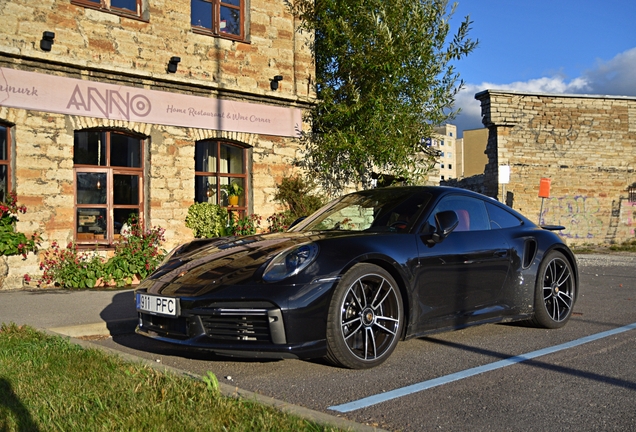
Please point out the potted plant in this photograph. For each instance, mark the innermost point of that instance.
(233, 190)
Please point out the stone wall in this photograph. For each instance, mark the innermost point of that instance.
(586, 145)
(99, 46)
(139, 50)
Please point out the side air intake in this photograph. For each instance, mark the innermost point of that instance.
(529, 252)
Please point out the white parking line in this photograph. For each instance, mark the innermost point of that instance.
(414, 388)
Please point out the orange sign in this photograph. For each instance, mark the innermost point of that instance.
(544, 188)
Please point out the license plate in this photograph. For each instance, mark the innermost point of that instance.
(158, 305)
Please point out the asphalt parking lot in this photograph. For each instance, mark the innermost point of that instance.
(493, 377)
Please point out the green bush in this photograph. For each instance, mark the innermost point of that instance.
(299, 199)
(137, 255)
(207, 220)
(278, 222)
(246, 225)
(69, 268)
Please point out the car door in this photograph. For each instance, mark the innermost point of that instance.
(460, 279)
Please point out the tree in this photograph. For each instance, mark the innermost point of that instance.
(384, 79)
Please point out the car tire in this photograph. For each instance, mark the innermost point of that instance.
(555, 292)
(365, 318)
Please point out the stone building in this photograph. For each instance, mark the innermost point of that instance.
(116, 107)
(585, 146)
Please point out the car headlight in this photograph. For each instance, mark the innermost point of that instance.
(290, 262)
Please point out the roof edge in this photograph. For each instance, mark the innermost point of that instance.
(480, 95)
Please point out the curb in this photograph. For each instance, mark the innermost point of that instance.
(128, 326)
(110, 328)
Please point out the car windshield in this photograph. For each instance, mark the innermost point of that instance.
(389, 209)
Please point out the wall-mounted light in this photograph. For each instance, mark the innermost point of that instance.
(274, 82)
(172, 64)
(631, 191)
(47, 40)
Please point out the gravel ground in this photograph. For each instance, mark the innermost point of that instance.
(625, 259)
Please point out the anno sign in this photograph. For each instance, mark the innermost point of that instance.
(48, 93)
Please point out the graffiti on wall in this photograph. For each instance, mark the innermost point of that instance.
(585, 218)
(554, 134)
(580, 215)
(630, 216)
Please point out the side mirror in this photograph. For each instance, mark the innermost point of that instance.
(445, 221)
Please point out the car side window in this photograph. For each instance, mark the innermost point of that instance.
(471, 212)
(500, 218)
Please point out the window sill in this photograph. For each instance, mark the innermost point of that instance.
(229, 36)
(121, 13)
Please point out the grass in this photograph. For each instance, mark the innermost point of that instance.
(48, 383)
(626, 246)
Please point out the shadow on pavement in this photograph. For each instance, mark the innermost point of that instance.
(120, 315)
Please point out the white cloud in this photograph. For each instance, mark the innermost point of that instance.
(614, 77)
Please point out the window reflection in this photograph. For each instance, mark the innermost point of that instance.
(125, 189)
(124, 151)
(231, 159)
(91, 224)
(230, 21)
(3, 183)
(124, 4)
(218, 16)
(91, 188)
(121, 220)
(217, 164)
(3, 143)
(109, 181)
(89, 148)
(205, 189)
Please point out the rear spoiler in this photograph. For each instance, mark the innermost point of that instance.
(553, 227)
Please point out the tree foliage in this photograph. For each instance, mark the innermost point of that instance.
(384, 79)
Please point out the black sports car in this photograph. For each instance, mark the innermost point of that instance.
(365, 271)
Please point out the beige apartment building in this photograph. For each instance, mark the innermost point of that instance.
(473, 152)
(116, 107)
(444, 141)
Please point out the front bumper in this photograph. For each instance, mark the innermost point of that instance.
(247, 328)
(245, 332)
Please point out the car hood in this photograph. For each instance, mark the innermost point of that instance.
(201, 266)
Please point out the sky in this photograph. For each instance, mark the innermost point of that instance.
(545, 46)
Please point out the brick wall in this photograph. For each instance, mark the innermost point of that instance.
(586, 145)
